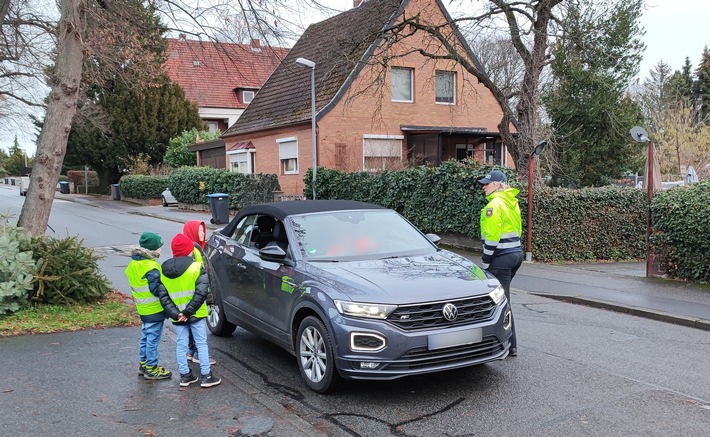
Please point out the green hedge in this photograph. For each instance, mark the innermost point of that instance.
(436, 199)
(192, 184)
(606, 223)
(681, 221)
(143, 187)
(568, 225)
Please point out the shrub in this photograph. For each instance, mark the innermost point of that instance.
(193, 184)
(16, 269)
(67, 272)
(143, 187)
(681, 219)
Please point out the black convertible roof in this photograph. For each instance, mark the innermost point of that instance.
(281, 210)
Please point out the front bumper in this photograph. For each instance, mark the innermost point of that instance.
(409, 353)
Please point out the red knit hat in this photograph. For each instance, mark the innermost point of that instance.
(181, 245)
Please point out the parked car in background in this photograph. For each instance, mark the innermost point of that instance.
(167, 198)
(354, 291)
(24, 185)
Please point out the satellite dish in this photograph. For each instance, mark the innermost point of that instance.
(639, 134)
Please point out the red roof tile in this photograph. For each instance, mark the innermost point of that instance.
(210, 72)
(241, 145)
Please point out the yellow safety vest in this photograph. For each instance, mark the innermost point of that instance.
(146, 303)
(182, 289)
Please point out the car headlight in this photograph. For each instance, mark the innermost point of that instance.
(498, 294)
(369, 310)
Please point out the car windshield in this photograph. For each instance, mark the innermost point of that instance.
(358, 235)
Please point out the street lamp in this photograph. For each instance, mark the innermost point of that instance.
(538, 150)
(312, 65)
(640, 135)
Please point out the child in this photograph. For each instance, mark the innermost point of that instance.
(183, 289)
(143, 273)
(196, 231)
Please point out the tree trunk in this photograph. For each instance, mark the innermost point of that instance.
(61, 108)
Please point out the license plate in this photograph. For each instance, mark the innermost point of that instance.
(468, 336)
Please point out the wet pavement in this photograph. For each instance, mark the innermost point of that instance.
(94, 371)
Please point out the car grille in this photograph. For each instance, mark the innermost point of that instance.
(430, 315)
(422, 358)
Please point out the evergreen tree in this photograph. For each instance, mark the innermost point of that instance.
(139, 124)
(15, 161)
(701, 87)
(587, 102)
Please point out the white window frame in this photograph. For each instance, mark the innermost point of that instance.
(212, 126)
(394, 84)
(438, 86)
(249, 93)
(394, 152)
(235, 158)
(288, 154)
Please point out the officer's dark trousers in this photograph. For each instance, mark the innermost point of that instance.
(504, 267)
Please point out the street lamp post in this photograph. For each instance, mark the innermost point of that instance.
(312, 65)
(538, 150)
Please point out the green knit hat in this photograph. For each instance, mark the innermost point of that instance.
(150, 241)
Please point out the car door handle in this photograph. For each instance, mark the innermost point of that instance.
(241, 266)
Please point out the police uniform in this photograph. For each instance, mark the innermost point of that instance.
(501, 229)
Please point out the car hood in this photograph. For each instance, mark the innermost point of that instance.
(439, 276)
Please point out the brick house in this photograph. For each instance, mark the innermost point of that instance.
(369, 116)
(222, 79)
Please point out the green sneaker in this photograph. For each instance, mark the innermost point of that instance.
(156, 372)
(141, 368)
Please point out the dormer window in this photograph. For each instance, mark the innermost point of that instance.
(247, 96)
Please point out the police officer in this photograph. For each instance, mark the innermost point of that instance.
(501, 229)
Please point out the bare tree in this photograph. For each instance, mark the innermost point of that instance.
(528, 25)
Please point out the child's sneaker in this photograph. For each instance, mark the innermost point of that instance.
(141, 368)
(196, 360)
(187, 378)
(209, 380)
(156, 372)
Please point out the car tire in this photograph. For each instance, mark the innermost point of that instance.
(314, 350)
(216, 320)
(165, 202)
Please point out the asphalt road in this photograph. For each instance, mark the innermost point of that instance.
(581, 371)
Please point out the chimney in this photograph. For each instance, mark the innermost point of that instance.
(255, 45)
(357, 3)
(181, 36)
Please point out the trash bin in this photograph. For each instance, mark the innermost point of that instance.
(12, 181)
(7, 181)
(219, 205)
(64, 187)
(114, 192)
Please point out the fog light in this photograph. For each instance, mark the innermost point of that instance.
(369, 365)
(507, 320)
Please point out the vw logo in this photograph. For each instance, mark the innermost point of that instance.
(450, 312)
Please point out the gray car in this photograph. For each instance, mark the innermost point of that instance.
(354, 291)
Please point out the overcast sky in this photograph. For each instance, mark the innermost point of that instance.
(675, 29)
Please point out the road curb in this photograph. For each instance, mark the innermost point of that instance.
(634, 311)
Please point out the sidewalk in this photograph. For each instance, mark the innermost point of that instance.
(617, 286)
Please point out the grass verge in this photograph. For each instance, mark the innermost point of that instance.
(115, 310)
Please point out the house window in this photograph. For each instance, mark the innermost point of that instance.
(445, 87)
(288, 155)
(464, 151)
(212, 126)
(493, 153)
(381, 152)
(239, 163)
(402, 84)
(247, 96)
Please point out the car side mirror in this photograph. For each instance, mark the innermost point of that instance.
(272, 252)
(433, 238)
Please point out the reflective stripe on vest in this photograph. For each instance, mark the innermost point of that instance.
(182, 288)
(146, 303)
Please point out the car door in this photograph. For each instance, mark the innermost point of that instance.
(238, 252)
